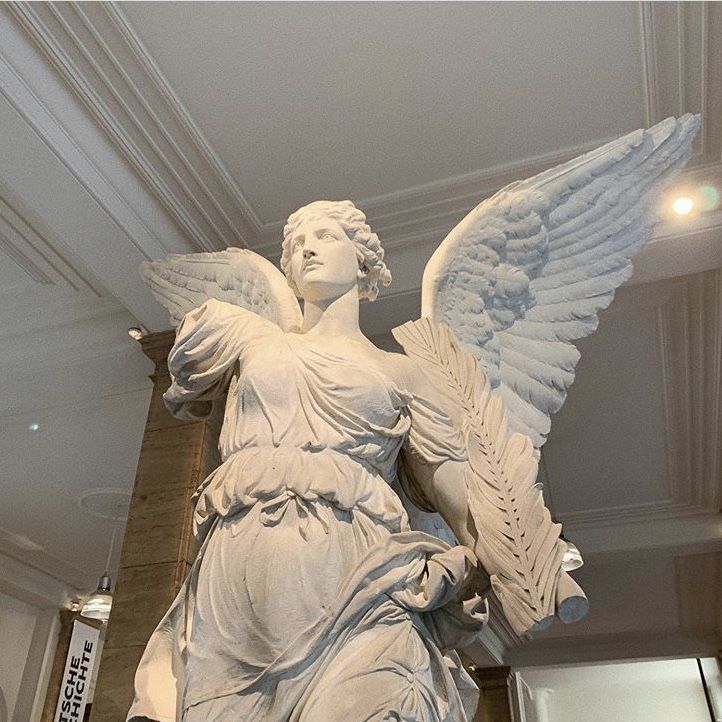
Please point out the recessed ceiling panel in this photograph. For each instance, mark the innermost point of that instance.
(607, 447)
(309, 100)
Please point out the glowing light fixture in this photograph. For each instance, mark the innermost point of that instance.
(135, 332)
(572, 557)
(683, 205)
(99, 603)
(35, 426)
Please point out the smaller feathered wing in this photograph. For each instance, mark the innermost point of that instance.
(182, 282)
(517, 543)
(528, 270)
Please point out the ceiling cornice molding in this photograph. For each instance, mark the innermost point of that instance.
(97, 52)
(42, 108)
(677, 69)
(415, 214)
(424, 214)
(584, 648)
(32, 570)
(21, 241)
(148, 125)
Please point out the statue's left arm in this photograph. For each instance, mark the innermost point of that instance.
(485, 490)
(504, 297)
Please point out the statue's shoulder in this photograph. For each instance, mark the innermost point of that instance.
(404, 371)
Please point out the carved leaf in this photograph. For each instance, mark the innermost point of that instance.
(518, 544)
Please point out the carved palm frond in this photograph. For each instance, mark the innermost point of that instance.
(517, 542)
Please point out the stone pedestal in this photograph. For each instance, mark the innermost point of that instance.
(158, 547)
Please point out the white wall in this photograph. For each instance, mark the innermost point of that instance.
(29, 624)
(653, 691)
(18, 621)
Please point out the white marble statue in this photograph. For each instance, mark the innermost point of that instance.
(313, 597)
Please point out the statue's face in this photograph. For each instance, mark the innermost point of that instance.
(324, 262)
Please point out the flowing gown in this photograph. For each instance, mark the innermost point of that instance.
(311, 598)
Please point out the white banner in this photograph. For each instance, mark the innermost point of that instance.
(75, 686)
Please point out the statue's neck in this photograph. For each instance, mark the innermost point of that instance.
(334, 317)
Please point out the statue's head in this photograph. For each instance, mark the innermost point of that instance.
(371, 269)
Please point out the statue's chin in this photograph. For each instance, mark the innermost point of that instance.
(323, 292)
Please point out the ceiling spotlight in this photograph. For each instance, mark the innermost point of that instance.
(99, 603)
(683, 205)
(135, 332)
(35, 426)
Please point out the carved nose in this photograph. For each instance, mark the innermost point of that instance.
(308, 253)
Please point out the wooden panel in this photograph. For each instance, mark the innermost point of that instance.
(159, 516)
(142, 598)
(494, 703)
(56, 675)
(698, 595)
(159, 546)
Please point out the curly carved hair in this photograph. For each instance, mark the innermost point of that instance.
(372, 269)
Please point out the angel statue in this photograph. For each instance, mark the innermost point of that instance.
(314, 598)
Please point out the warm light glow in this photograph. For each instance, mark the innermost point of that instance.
(683, 205)
(100, 601)
(135, 332)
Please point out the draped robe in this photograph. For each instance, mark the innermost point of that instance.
(311, 598)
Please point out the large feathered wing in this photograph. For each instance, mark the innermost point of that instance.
(528, 270)
(182, 282)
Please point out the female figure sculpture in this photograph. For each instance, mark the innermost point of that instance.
(312, 598)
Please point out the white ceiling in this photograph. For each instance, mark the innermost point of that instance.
(132, 130)
(306, 101)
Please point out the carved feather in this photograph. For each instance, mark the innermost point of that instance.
(518, 544)
(529, 269)
(183, 282)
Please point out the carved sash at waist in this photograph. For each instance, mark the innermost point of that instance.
(273, 475)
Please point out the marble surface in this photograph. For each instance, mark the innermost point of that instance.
(311, 589)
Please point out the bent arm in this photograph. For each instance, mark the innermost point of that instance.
(208, 344)
(435, 463)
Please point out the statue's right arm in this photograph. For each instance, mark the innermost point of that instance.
(208, 344)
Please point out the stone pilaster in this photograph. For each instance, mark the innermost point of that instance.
(494, 701)
(158, 547)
